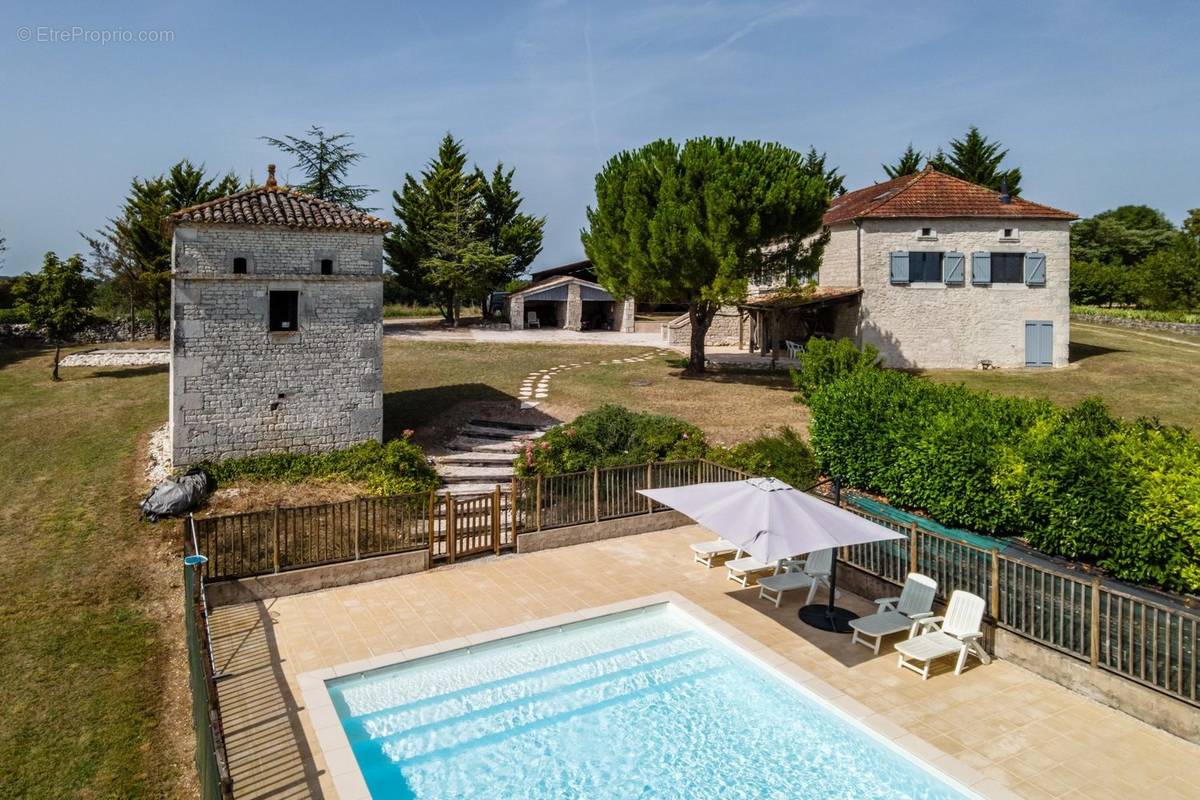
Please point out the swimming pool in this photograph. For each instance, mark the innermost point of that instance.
(641, 704)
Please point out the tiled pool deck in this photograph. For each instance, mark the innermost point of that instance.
(1023, 733)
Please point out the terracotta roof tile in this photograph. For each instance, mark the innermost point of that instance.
(279, 205)
(930, 193)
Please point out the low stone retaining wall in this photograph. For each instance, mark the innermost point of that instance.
(596, 531)
(1104, 687)
(1139, 324)
(311, 579)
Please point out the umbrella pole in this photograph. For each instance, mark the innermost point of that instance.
(830, 617)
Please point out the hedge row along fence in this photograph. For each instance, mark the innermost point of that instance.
(1074, 482)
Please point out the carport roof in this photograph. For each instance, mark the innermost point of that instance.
(591, 290)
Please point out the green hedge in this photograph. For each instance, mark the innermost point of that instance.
(398, 467)
(783, 455)
(13, 316)
(1186, 317)
(1074, 482)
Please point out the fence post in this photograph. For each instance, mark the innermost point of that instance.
(537, 504)
(432, 527)
(649, 485)
(596, 493)
(914, 562)
(995, 593)
(354, 523)
(275, 536)
(1095, 649)
(496, 519)
(451, 526)
(512, 509)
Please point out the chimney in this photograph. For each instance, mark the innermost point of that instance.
(271, 175)
(1005, 197)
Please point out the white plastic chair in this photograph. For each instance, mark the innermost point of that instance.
(896, 614)
(958, 631)
(792, 573)
(531, 320)
(795, 349)
(742, 566)
(706, 552)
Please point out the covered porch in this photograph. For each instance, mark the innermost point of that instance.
(770, 321)
(569, 303)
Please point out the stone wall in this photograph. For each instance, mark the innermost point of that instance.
(724, 332)
(839, 263)
(939, 326)
(1189, 328)
(238, 389)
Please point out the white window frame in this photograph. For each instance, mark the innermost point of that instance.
(921, 236)
(1014, 237)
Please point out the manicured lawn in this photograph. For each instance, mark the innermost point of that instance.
(1137, 373)
(93, 698)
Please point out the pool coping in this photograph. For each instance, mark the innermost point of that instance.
(349, 783)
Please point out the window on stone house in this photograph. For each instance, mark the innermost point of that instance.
(924, 267)
(1008, 267)
(239, 266)
(326, 266)
(285, 311)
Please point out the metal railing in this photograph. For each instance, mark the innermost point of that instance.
(1115, 629)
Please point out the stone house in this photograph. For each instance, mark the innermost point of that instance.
(276, 325)
(569, 302)
(933, 271)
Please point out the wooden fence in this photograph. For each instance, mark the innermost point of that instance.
(449, 526)
(211, 760)
(1150, 642)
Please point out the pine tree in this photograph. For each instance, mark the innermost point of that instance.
(325, 159)
(973, 158)
(909, 163)
(57, 300)
(506, 228)
(814, 164)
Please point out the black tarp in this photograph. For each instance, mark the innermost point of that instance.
(176, 495)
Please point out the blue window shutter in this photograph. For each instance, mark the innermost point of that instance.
(981, 267)
(953, 267)
(900, 266)
(1035, 269)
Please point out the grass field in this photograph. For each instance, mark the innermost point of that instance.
(90, 612)
(1137, 373)
(93, 700)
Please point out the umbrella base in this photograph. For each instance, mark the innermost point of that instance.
(834, 619)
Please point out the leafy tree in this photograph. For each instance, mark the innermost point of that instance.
(325, 159)
(57, 300)
(973, 158)
(1191, 225)
(459, 234)
(1124, 235)
(814, 164)
(690, 224)
(1170, 278)
(909, 163)
(1094, 283)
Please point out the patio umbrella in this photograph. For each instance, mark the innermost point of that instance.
(770, 520)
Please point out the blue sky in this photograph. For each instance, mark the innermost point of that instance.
(1099, 103)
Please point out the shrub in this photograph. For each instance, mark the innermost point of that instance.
(611, 436)
(783, 455)
(1187, 317)
(826, 360)
(13, 316)
(397, 467)
(1075, 482)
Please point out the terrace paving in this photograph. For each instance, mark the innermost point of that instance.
(1025, 734)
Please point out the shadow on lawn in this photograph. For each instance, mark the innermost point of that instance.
(432, 407)
(1080, 352)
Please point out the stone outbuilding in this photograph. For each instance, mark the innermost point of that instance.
(276, 326)
(570, 303)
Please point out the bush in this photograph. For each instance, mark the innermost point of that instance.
(1187, 317)
(783, 455)
(611, 436)
(826, 360)
(397, 467)
(1074, 482)
(13, 316)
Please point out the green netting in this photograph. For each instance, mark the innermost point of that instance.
(896, 515)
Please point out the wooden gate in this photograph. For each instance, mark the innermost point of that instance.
(473, 524)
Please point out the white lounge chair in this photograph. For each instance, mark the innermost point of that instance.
(798, 574)
(958, 631)
(705, 552)
(531, 320)
(896, 614)
(742, 567)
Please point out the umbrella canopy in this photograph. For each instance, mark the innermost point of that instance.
(769, 519)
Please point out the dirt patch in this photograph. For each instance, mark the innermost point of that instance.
(262, 495)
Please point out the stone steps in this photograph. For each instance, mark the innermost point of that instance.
(458, 474)
(475, 458)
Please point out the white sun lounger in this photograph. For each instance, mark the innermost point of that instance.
(742, 567)
(798, 574)
(896, 614)
(959, 631)
(705, 552)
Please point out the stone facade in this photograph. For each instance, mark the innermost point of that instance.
(236, 387)
(935, 325)
(566, 295)
(725, 330)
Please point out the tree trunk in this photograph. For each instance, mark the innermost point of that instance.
(700, 315)
(57, 351)
(132, 316)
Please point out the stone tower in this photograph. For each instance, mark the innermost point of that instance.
(276, 326)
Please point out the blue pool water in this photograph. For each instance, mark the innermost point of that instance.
(644, 704)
